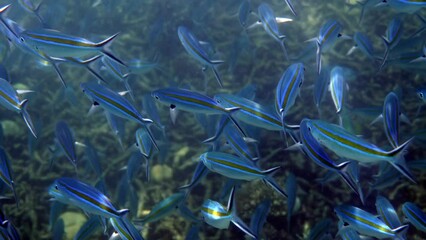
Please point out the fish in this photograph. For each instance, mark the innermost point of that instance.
(288, 89)
(291, 190)
(328, 35)
(193, 232)
(192, 101)
(366, 223)
(29, 6)
(422, 58)
(404, 6)
(58, 230)
(6, 173)
(320, 87)
(363, 43)
(237, 142)
(392, 38)
(145, 146)
(387, 213)
(391, 116)
(267, 18)
(219, 216)
(239, 168)
(93, 157)
(166, 207)
(66, 142)
(115, 104)
(415, 215)
(290, 5)
(347, 145)
(337, 87)
(195, 49)
(77, 193)
(200, 172)
(57, 44)
(117, 126)
(88, 228)
(243, 13)
(10, 100)
(259, 216)
(250, 112)
(321, 230)
(118, 72)
(125, 228)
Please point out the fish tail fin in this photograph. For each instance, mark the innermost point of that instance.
(87, 63)
(385, 56)
(231, 111)
(222, 123)
(398, 162)
(400, 231)
(282, 43)
(343, 172)
(123, 212)
(151, 137)
(243, 227)
(27, 117)
(271, 182)
(377, 119)
(127, 86)
(290, 5)
(105, 48)
(216, 75)
(318, 55)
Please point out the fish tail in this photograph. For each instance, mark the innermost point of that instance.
(400, 231)
(318, 56)
(271, 182)
(222, 123)
(123, 212)
(385, 57)
(230, 111)
(282, 43)
(290, 5)
(27, 117)
(243, 227)
(105, 44)
(398, 161)
(127, 86)
(350, 181)
(216, 75)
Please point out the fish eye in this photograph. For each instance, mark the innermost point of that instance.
(421, 95)
(309, 129)
(56, 187)
(156, 97)
(300, 84)
(22, 39)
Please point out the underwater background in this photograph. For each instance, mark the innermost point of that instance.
(252, 60)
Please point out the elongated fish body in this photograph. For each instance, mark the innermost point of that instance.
(238, 168)
(58, 44)
(196, 50)
(328, 35)
(391, 118)
(407, 6)
(251, 112)
(84, 196)
(321, 86)
(291, 189)
(415, 215)
(10, 100)
(236, 141)
(387, 212)
(366, 223)
(118, 71)
(337, 87)
(269, 22)
(349, 146)
(144, 142)
(392, 37)
(244, 12)
(6, 172)
(364, 44)
(125, 228)
(66, 141)
(289, 88)
(259, 216)
(219, 216)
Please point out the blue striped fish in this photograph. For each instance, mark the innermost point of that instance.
(243, 13)
(115, 104)
(392, 38)
(347, 145)
(196, 50)
(125, 228)
(57, 44)
(366, 223)
(327, 36)
(337, 87)
(10, 100)
(84, 196)
(289, 88)
(117, 71)
(316, 153)
(239, 168)
(405, 6)
(320, 87)
(66, 142)
(267, 18)
(363, 43)
(237, 142)
(145, 146)
(6, 173)
(219, 216)
(251, 112)
(166, 207)
(415, 215)
(387, 213)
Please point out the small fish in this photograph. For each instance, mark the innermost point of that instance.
(391, 116)
(347, 145)
(57, 44)
(88, 228)
(193, 232)
(200, 172)
(337, 87)
(138, 66)
(387, 213)
(239, 168)
(115, 104)
(328, 35)
(415, 215)
(290, 5)
(116, 70)
(6, 173)
(392, 38)
(196, 50)
(320, 230)
(236, 141)
(166, 207)
(320, 87)
(125, 228)
(66, 142)
(422, 58)
(145, 146)
(404, 6)
(269, 22)
(219, 216)
(243, 12)
(58, 230)
(363, 43)
(259, 216)
(366, 223)
(10, 100)
(347, 233)
(117, 126)
(93, 157)
(422, 29)
(84, 196)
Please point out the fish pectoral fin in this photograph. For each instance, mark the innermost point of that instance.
(173, 113)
